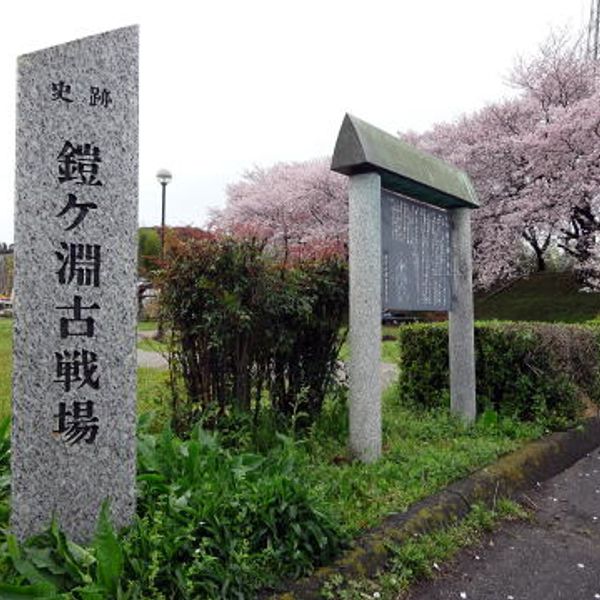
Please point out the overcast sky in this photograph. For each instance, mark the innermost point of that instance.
(226, 85)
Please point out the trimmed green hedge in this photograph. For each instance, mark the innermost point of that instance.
(531, 371)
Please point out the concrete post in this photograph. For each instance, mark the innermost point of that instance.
(461, 335)
(365, 316)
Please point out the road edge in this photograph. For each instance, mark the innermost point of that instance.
(513, 473)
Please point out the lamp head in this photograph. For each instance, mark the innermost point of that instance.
(164, 176)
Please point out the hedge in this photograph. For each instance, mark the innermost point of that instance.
(530, 371)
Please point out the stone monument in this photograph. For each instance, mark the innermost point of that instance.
(410, 249)
(74, 382)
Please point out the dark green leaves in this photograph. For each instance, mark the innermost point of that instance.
(528, 371)
(251, 327)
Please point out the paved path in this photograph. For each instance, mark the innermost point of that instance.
(555, 557)
(148, 358)
(389, 373)
(156, 360)
(153, 360)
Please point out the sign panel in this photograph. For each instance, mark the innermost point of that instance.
(416, 260)
(74, 417)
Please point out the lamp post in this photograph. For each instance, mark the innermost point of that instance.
(164, 177)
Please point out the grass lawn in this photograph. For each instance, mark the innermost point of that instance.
(147, 326)
(540, 297)
(423, 451)
(389, 347)
(151, 345)
(152, 383)
(5, 365)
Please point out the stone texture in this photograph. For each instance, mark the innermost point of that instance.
(461, 335)
(52, 473)
(414, 270)
(365, 316)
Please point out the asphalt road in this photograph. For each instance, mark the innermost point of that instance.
(556, 556)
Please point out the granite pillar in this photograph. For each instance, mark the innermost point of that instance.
(365, 316)
(74, 419)
(461, 334)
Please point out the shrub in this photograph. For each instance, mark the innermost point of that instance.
(531, 371)
(249, 327)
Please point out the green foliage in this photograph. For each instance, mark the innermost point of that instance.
(220, 523)
(221, 515)
(49, 565)
(529, 371)
(210, 524)
(248, 328)
(217, 520)
(424, 450)
(6, 360)
(148, 250)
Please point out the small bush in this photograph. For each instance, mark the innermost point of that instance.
(250, 327)
(531, 371)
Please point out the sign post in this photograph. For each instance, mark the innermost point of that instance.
(410, 249)
(73, 428)
(365, 316)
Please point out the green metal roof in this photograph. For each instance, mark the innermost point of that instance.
(363, 148)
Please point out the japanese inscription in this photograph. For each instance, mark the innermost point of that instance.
(75, 316)
(416, 261)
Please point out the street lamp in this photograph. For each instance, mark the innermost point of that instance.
(164, 177)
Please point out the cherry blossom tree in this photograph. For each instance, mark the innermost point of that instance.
(534, 161)
(290, 205)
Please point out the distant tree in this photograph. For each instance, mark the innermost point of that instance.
(290, 205)
(148, 250)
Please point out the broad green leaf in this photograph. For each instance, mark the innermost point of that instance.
(109, 554)
(76, 570)
(25, 567)
(80, 554)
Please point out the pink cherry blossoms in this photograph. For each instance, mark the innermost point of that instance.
(534, 160)
(535, 163)
(291, 205)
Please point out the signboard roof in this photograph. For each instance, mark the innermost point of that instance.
(363, 148)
